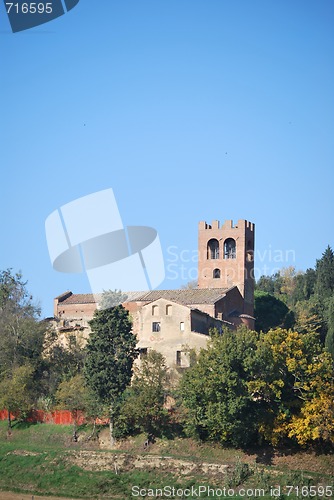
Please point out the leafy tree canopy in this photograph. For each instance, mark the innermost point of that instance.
(324, 285)
(21, 334)
(308, 296)
(270, 312)
(112, 298)
(14, 296)
(16, 392)
(329, 342)
(215, 393)
(111, 350)
(143, 405)
(247, 387)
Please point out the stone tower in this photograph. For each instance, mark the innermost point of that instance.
(226, 258)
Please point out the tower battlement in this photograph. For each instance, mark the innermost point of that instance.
(228, 224)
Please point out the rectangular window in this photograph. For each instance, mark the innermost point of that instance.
(182, 326)
(182, 359)
(156, 326)
(142, 352)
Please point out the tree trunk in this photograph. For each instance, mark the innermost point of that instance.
(75, 435)
(111, 428)
(93, 431)
(9, 430)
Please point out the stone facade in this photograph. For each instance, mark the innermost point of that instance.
(173, 329)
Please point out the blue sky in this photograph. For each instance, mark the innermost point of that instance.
(189, 109)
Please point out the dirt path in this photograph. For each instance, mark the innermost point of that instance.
(7, 495)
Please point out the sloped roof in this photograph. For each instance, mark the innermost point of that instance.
(77, 298)
(183, 296)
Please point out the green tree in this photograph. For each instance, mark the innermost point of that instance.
(270, 284)
(273, 386)
(14, 296)
(110, 353)
(214, 391)
(22, 335)
(112, 298)
(16, 392)
(60, 364)
(329, 341)
(143, 405)
(73, 395)
(304, 286)
(324, 285)
(307, 316)
(266, 284)
(270, 312)
(323, 293)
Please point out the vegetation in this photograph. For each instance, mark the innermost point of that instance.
(112, 298)
(16, 391)
(73, 395)
(304, 301)
(269, 312)
(214, 391)
(110, 353)
(273, 387)
(143, 406)
(250, 388)
(43, 459)
(22, 339)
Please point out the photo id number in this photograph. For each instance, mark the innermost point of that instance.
(29, 8)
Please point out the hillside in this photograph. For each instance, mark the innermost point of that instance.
(42, 459)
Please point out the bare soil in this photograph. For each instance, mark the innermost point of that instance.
(7, 495)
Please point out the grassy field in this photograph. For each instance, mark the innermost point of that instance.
(42, 459)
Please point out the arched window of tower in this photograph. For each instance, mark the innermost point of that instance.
(229, 249)
(213, 249)
(216, 273)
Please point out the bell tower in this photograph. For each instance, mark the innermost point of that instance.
(226, 258)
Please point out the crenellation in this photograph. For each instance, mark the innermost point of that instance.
(204, 225)
(228, 224)
(250, 225)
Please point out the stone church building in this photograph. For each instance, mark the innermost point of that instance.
(174, 321)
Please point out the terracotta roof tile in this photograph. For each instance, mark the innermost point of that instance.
(186, 296)
(182, 296)
(79, 298)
